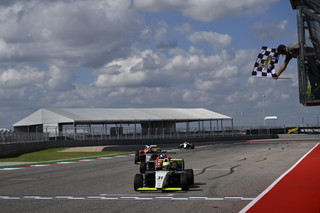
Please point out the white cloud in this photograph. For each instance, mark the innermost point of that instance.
(268, 30)
(184, 74)
(184, 28)
(131, 71)
(73, 31)
(206, 10)
(213, 38)
(60, 79)
(156, 6)
(19, 77)
(160, 29)
(5, 51)
(282, 25)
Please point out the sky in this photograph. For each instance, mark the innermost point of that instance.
(147, 54)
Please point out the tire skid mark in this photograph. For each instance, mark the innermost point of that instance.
(232, 170)
(241, 160)
(204, 170)
(261, 160)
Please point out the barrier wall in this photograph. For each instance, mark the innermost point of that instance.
(14, 149)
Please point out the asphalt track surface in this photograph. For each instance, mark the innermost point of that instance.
(228, 176)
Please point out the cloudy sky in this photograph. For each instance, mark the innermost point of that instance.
(146, 53)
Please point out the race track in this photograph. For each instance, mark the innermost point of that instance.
(228, 176)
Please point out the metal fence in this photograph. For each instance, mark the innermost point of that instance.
(98, 133)
(113, 134)
(11, 136)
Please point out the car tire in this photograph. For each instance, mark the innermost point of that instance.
(142, 158)
(138, 181)
(190, 176)
(136, 158)
(184, 182)
(143, 167)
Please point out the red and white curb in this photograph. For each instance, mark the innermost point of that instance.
(14, 167)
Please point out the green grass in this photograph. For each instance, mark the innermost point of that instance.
(54, 154)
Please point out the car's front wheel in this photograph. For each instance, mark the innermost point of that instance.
(138, 181)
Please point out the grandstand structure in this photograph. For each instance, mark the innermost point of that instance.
(308, 23)
(119, 122)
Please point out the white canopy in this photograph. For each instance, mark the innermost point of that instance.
(116, 115)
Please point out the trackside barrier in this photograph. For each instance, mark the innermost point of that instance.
(125, 133)
(14, 149)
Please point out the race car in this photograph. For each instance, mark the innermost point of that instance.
(152, 161)
(186, 145)
(141, 155)
(165, 178)
(154, 164)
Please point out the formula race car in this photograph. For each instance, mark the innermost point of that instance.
(147, 152)
(152, 161)
(157, 163)
(186, 145)
(164, 178)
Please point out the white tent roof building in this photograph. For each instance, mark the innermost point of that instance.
(50, 118)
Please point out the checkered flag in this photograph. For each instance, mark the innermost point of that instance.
(265, 63)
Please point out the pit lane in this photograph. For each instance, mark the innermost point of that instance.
(227, 177)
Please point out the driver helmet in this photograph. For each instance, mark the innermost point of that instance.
(147, 148)
(166, 164)
(162, 156)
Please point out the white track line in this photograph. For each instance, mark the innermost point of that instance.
(115, 197)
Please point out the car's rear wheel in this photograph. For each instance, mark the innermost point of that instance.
(142, 157)
(136, 157)
(190, 176)
(138, 181)
(143, 167)
(184, 182)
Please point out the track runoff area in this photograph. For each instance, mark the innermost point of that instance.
(297, 190)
